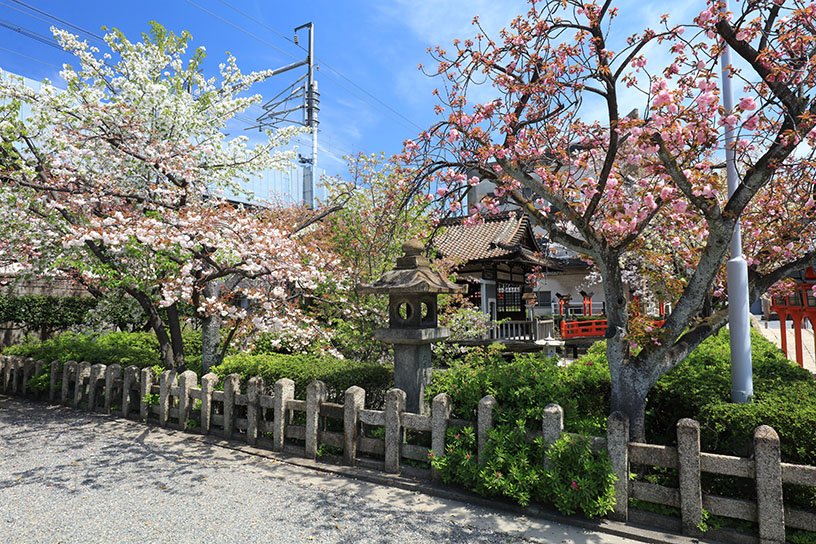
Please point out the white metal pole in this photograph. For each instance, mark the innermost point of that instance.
(742, 386)
(308, 195)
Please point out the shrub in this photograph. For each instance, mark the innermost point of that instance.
(42, 381)
(572, 478)
(578, 479)
(524, 385)
(337, 374)
(124, 348)
(784, 398)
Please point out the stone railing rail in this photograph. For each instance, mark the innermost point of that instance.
(271, 417)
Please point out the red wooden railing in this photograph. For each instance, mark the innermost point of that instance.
(583, 329)
(588, 329)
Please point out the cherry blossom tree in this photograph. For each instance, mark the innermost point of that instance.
(641, 196)
(373, 212)
(121, 180)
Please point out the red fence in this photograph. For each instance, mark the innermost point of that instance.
(583, 329)
(588, 329)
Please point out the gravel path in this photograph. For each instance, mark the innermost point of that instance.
(72, 477)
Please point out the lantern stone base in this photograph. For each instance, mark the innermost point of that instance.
(412, 361)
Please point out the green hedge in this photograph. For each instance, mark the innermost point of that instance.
(700, 387)
(525, 384)
(337, 374)
(37, 312)
(125, 348)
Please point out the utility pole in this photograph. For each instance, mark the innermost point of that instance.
(742, 384)
(277, 110)
(312, 107)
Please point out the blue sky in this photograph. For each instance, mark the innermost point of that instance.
(372, 94)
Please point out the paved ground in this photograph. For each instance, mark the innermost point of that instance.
(772, 331)
(71, 477)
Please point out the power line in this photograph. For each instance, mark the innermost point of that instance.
(242, 29)
(270, 29)
(44, 20)
(57, 19)
(327, 65)
(30, 58)
(30, 34)
(339, 73)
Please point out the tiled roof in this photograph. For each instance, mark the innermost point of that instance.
(498, 236)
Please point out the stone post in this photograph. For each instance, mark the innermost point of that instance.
(8, 373)
(11, 369)
(69, 372)
(112, 374)
(691, 494)
(16, 370)
(440, 416)
(5, 372)
(770, 507)
(394, 406)
(56, 374)
(146, 383)
(255, 388)
(187, 381)
(38, 366)
(13, 381)
(208, 382)
(552, 424)
(284, 392)
(96, 376)
(617, 444)
(5, 377)
(3, 365)
(83, 371)
(315, 396)
(354, 402)
(130, 381)
(232, 386)
(484, 422)
(28, 371)
(167, 379)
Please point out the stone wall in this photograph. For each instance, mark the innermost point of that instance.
(268, 416)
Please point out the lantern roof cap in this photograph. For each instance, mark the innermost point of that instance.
(411, 276)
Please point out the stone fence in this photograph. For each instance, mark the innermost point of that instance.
(394, 440)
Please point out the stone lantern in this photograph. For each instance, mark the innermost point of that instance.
(412, 288)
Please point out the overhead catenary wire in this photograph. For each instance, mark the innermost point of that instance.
(31, 34)
(59, 20)
(29, 58)
(327, 65)
(241, 29)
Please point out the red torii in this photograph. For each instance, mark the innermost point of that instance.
(798, 305)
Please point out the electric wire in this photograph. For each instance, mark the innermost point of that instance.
(57, 19)
(24, 12)
(29, 58)
(327, 65)
(30, 34)
(248, 33)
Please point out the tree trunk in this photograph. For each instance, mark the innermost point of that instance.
(630, 400)
(156, 323)
(174, 324)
